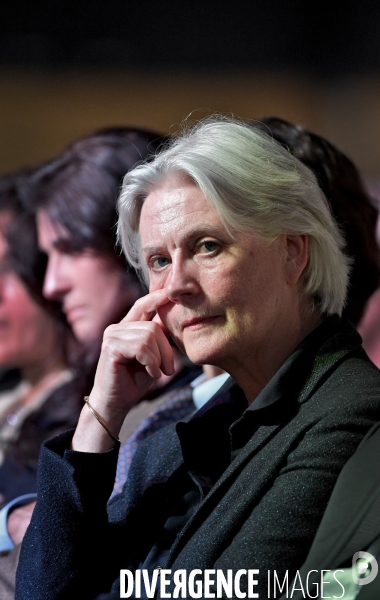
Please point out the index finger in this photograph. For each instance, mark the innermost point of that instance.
(144, 307)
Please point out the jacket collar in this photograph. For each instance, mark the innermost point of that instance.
(205, 437)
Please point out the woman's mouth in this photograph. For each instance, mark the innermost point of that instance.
(198, 322)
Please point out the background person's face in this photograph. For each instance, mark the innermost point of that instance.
(28, 334)
(90, 287)
(228, 297)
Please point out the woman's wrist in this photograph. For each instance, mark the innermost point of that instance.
(100, 419)
(97, 435)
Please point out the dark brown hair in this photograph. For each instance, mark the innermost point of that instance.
(79, 189)
(62, 408)
(23, 255)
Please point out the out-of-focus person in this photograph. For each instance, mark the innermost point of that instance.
(349, 201)
(369, 327)
(35, 339)
(75, 200)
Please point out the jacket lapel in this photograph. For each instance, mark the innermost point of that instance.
(281, 398)
(222, 486)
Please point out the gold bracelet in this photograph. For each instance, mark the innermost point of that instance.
(100, 420)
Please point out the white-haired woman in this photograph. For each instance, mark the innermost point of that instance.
(246, 272)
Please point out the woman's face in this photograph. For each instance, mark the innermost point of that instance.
(91, 288)
(233, 300)
(28, 334)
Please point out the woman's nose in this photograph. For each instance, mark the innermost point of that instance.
(55, 283)
(182, 280)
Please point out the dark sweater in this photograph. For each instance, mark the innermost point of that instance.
(264, 509)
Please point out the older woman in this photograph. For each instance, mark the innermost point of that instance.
(246, 272)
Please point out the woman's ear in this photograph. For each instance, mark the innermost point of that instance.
(297, 248)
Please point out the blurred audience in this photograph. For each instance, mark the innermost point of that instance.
(369, 327)
(35, 339)
(349, 201)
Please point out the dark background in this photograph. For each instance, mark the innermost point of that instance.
(71, 66)
(323, 39)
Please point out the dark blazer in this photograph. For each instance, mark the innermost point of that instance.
(262, 513)
(351, 522)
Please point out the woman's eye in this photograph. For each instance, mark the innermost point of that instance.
(208, 246)
(159, 262)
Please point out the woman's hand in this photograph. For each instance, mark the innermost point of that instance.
(134, 353)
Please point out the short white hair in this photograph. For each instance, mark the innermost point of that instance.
(257, 187)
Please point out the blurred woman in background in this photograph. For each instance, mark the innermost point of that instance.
(75, 199)
(35, 339)
(349, 201)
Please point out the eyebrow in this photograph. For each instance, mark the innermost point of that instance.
(64, 243)
(189, 236)
(61, 240)
(152, 249)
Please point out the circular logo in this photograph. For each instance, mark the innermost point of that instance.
(364, 568)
